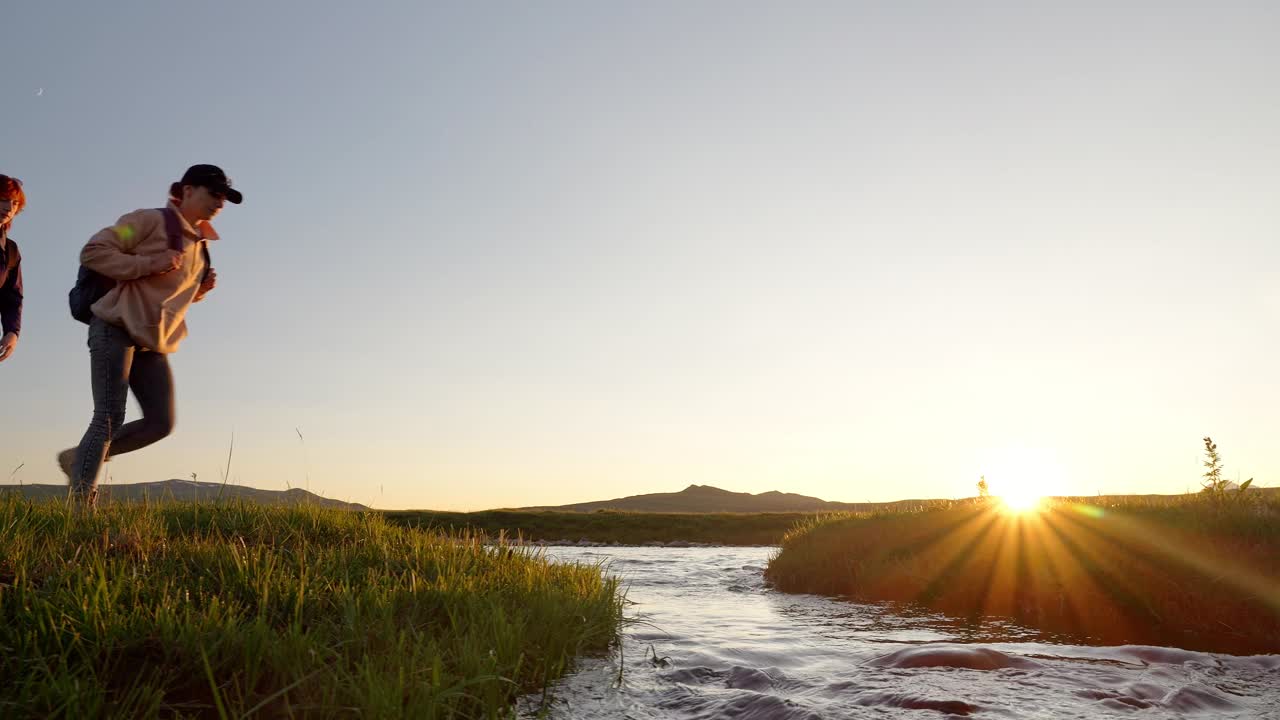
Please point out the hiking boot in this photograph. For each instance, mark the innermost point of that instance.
(66, 459)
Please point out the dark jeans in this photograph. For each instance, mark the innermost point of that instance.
(116, 366)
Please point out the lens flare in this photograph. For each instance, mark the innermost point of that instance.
(1021, 502)
(1023, 477)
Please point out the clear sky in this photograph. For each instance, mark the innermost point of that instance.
(503, 254)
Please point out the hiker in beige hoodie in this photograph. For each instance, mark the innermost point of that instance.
(142, 318)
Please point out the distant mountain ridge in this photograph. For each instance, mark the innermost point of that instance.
(709, 499)
(186, 490)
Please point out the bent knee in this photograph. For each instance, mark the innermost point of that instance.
(162, 426)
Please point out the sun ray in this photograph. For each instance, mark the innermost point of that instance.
(958, 550)
(1194, 555)
(1101, 588)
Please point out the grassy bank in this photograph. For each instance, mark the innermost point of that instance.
(623, 528)
(1178, 571)
(184, 610)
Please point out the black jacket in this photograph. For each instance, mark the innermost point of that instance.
(10, 284)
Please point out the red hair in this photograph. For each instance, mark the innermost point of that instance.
(11, 190)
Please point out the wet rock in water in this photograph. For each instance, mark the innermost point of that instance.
(743, 678)
(972, 658)
(746, 705)
(913, 702)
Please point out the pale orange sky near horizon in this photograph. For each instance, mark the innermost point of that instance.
(542, 255)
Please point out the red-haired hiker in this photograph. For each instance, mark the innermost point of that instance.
(12, 200)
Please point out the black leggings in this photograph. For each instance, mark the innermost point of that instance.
(117, 365)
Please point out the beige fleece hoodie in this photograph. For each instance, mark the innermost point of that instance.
(151, 307)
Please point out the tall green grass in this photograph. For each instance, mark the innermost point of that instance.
(1190, 571)
(243, 610)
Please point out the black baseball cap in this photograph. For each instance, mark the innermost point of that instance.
(212, 177)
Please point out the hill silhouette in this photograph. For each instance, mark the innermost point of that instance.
(709, 499)
(186, 490)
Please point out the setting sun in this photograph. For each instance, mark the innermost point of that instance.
(1021, 502)
(1023, 477)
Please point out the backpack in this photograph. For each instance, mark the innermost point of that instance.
(91, 285)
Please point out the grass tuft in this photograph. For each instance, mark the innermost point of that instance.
(237, 610)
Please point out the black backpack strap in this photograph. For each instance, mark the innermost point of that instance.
(208, 261)
(172, 227)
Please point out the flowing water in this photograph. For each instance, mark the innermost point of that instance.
(711, 640)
